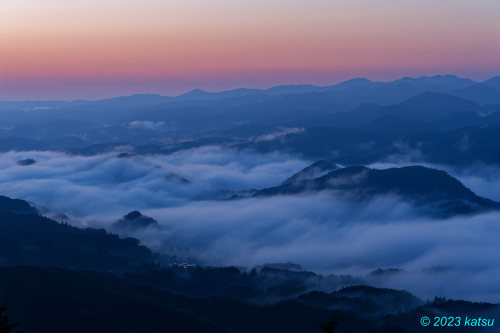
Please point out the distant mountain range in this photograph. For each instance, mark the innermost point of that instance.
(250, 104)
(438, 128)
(439, 83)
(354, 122)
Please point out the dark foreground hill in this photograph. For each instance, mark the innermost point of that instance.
(101, 283)
(26, 238)
(58, 300)
(16, 206)
(435, 192)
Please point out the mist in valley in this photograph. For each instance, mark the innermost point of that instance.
(323, 231)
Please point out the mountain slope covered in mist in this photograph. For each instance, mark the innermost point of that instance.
(27, 238)
(431, 190)
(152, 297)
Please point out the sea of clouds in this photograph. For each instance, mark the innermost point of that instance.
(106, 185)
(457, 257)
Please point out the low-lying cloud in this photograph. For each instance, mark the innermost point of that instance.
(151, 125)
(106, 184)
(279, 133)
(458, 257)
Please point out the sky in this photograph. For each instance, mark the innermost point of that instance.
(67, 49)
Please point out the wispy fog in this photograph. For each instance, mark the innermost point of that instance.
(108, 185)
(281, 132)
(458, 257)
(454, 258)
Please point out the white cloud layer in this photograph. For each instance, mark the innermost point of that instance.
(319, 231)
(106, 184)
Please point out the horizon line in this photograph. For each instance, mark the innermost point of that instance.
(208, 91)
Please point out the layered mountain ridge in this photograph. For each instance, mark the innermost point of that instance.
(433, 191)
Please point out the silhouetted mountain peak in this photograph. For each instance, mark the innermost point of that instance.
(294, 88)
(27, 238)
(26, 162)
(132, 215)
(314, 170)
(134, 221)
(480, 93)
(442, 83)
(359, 80)
(441, 77)
(16, 206)
(197, 91)
(478, 88)
(429, 98)
(434, 191)
(434, 105)
(493, 82)
(136, 98)
(356, 82)
(411, 182)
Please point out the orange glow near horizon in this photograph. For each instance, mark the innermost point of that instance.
(202, 41)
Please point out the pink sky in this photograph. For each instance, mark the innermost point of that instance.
(93, 49)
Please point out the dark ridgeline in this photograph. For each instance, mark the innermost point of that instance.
(314, 170)
(27, 238)
(134, 221)
(442, 119)
(434, 192)
(62, 300)
(17, 206)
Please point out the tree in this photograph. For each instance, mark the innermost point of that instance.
(329, 326)
(5, 324)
